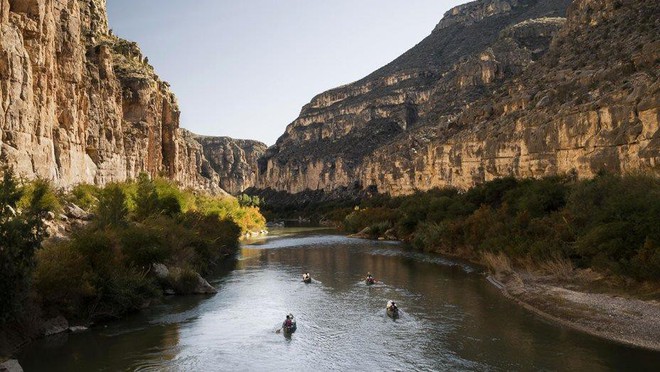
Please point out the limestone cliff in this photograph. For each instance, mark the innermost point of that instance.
(82, 105)
(500, 87)
(234, 160)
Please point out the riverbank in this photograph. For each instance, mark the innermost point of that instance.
(625, 320)
(564, 298)
(96, 254)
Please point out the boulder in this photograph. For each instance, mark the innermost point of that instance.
(11, 366)
(73, 211)
(189, 282)
(390, 234)
(203, 286)
(55, 326)
(160, 271)
(364, 234)
(78, 329)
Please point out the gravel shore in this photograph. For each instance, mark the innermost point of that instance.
(625, 320)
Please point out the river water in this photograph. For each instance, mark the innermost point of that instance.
(451, 319)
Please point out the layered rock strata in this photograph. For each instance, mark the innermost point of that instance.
(500, 88)
(234, 160)
(80, 105)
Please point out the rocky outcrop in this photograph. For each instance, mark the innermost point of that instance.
(178, 281)
(233, 160)
(11, 365)
(55, 326)
(500, 88)
(80, 105)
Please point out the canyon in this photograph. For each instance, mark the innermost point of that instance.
(524, 88)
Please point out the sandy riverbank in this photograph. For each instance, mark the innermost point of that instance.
(621, 319)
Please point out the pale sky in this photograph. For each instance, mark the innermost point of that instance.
(245, 68)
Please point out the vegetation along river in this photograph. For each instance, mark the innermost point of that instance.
(451, 319)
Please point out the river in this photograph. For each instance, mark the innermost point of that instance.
(451, 319)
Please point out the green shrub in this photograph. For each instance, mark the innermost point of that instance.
(141, 246)
(21, 233)
(360, 219)
(166, 189)
(146, 198)
(85, 196)
(615, 219)
(63, 278)
(113, 208)
(429, 236)
(105, 286)
(169, 205)
(213, 239)
(39, 197)
(249, 201)
(537, 197)
(378, 229)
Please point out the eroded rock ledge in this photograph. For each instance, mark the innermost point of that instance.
(80, 105)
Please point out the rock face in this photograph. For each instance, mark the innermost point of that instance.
(80, 105)
(233, 160)
(11, 365)
(501, 87)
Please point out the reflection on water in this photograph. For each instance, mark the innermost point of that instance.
(451, 319)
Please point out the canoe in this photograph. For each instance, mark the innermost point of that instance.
(392, 313)
(289, 330)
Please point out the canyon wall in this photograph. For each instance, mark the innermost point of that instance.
(233, 159)
(527, 88)
(524, 88)
(80, 105)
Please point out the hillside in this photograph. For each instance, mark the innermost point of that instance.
(523, 88)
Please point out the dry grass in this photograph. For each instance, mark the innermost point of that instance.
(558, 267)
(497, 263)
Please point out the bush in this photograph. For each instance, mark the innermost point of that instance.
(141, 246)
(183, 280)
(616, 218)
(85, 196)
(38, 198)
(113, 208)
(63, 278)
(429, 236)
(87, 277)
(213, 239)
(378, 229)
(360, 219)
(225, 208)
(249, 201)
(21, 233)
(146, 198)
(169, 205)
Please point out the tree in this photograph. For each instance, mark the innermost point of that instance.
(248, 201)
(21, 233)
(112, 206)
(146, 198)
